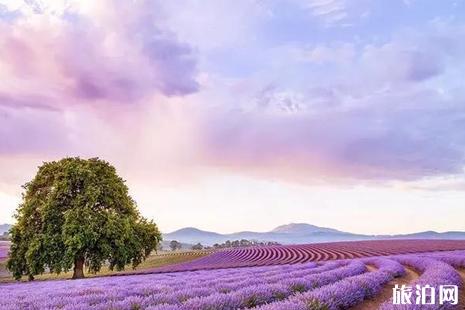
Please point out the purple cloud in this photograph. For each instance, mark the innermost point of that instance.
(26, 129)
(411, 137)
(340, 106)
(93, 56)
(111, 54)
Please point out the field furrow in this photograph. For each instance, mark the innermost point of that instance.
(357, 283)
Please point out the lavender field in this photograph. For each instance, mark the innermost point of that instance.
(232, 155)
(336, 284)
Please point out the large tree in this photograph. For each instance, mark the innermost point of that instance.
(77, 213)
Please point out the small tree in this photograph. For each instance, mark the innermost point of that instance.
(245, 242)
(197, 246)
(78, 213)
(174, 245)
(4, 236)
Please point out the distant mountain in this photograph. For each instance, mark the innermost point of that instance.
(296, 233)
(301, 228)
(457, 235)
(193, 235)
(4, 228)
(293, 233)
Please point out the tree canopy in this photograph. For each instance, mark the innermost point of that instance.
(197, 246)
(175, 245)
(76, 213)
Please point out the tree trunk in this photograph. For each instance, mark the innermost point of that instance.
(78, 268)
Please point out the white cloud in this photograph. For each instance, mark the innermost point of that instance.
(342, 53)
(332, 13)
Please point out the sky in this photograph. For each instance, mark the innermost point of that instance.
(245, 115)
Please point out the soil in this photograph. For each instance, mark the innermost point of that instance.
(386, 293)
(462, 290)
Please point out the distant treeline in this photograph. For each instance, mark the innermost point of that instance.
(5, 236)
(242, 243)
(175, 245)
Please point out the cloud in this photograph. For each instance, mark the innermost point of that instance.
(403, 63)
(212, 25)
(371, 109)
(403, 143)
(394, 113)
(322, 54)
(107, 52)
(58, 56)
(330, 11)
(26, 129)
(335, 13)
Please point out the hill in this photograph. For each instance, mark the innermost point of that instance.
(297, 233)
(302, 228)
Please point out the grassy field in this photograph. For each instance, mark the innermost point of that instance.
(153, 261)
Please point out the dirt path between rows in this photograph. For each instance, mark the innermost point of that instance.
(462, 290)
(386, 293)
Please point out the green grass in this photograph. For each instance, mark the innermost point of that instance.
(153, 261)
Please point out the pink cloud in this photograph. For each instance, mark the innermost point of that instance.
(99, 56)
(26, 129)
(111, 81)
(406, 140)
(93, 56)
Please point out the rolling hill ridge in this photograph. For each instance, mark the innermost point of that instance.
(297, 233)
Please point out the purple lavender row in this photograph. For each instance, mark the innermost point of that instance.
(198, 285)
(434, 273)
(213, 278)
(156, 286)
(345, 293)
(175, 295)
(256, 295)
(170, 282)
(239, 271)
(155, 291)
(266, 280)
(224, 275)
(455, 259)
(298, 253)
(388, 265)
